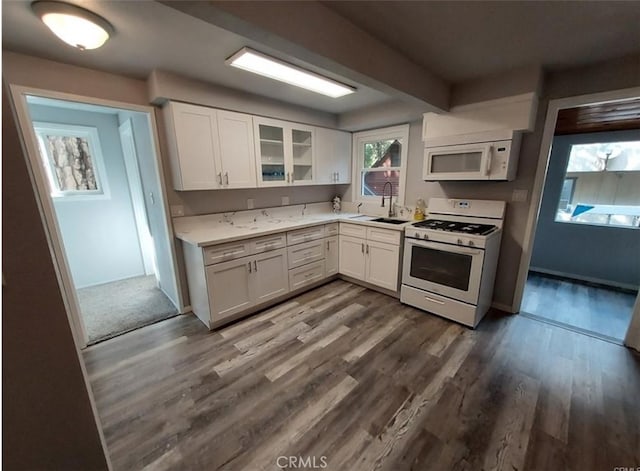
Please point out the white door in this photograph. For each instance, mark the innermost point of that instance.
(237, 150)
(229, 287)
(270, 275)
(331, 256)
(196, 132)
(342, 156)
(324, 154)
(302, 154)
(352, 257)
(382, 265)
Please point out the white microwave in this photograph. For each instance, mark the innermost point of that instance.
(497, 160)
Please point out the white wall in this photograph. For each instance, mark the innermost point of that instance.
(605, 253)
(100, 236)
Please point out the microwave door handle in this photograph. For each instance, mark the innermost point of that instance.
(489, 152)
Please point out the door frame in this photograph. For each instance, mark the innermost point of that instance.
(553, 108)
(136, 191)
(18, 95)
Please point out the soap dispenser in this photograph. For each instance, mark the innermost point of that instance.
(418, 214)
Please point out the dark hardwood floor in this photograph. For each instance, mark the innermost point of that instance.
(592, 308)
(359, 381)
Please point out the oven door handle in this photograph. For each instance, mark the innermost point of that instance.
(445, 247)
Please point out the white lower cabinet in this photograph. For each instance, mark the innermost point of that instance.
(270, 276)
(331, 257)
(229, 288)
(236, 286)
(382, 264)
(375, 262)
(231, 279)
(352, 257)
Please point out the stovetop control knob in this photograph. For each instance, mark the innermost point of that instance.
(417, 235)
(425, 236)
(471, 244)
(459, 241)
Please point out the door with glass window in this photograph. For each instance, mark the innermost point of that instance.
(270, 150)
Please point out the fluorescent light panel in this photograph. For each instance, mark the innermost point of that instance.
(261, 64)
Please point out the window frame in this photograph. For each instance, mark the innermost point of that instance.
(359, 139)
(90, 133)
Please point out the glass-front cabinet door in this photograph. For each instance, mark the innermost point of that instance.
(271, 154)
(285, 152)
(302, 155)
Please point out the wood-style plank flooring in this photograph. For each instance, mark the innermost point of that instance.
(592, 308)
(355, 380)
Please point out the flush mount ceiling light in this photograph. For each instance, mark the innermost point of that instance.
(258, 63)
(74, 25)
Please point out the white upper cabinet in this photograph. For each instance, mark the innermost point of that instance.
(333, 156)
(284, 152)
(209, 148)
(237, 151)
(192, 135)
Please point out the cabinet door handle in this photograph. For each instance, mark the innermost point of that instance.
(291, 177)
(220, 178)
(255, 266)
(367, 249)
(362, 248)
(287, 177)
(249, 267)
(226, 176)
(328, 246)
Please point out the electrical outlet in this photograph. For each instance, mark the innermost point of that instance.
(177, 210)
(519, 196)
(285, 201)
(250, 203)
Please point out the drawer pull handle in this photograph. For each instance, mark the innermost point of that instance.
(255, 266)
(367, 249)
(362, 248)
(433, 300)
(250, 267)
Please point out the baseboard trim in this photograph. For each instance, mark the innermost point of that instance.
(588, 279)
(503, 307)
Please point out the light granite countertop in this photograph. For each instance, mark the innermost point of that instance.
(213, 229)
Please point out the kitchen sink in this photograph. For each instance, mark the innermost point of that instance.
(389, 221)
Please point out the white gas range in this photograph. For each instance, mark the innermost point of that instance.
(450, 258)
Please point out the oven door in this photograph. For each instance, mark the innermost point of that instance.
(449, 270)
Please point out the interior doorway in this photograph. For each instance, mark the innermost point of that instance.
(585, 263)
(98, 177)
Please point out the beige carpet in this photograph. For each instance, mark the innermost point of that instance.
(114, 308)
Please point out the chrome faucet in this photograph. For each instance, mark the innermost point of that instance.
(390, 197)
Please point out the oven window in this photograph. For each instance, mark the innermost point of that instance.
(441, 267)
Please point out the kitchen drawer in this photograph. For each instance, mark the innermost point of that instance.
(449, 308)
(353, 230)
(305, 235)
(273, 242)
(308, 252)
(305, 275)
(383, 235)
(226, 252)
(331, 229)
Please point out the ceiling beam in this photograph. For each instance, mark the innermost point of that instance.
(310, 32)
